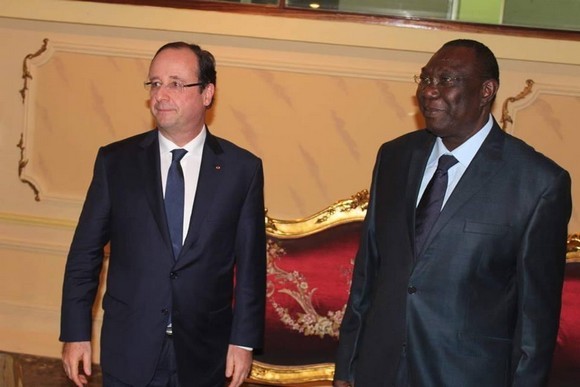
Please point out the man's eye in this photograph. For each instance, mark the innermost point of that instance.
(155, 84)
(175, 85)
(446, 81)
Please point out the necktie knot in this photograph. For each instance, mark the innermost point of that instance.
(446, 162)
(177, 155)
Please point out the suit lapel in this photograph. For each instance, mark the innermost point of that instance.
(486, 164)
(208, 182)
(417, 165)
(150, 165)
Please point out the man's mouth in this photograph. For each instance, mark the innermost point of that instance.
(163, 108)
(431, 111)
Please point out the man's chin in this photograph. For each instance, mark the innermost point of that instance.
(434, 130)
(164, 122)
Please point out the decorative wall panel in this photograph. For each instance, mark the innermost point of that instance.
(316, 119)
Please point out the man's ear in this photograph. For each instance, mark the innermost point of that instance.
(208, 94)
(488, 91)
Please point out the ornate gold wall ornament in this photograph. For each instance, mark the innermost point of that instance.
(21, 164)
(26, 75)
(505, 116)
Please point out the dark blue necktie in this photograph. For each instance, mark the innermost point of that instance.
(174, 200)
(431, 202)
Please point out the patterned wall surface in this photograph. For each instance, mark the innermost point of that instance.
(316, 128)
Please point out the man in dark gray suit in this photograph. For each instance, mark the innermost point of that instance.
(468, 295)
(183, 211)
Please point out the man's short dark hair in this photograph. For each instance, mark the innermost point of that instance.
(484, 56)
(205, 60)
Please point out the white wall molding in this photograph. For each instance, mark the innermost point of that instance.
(36, 221)
(278, 28)
(26, 326)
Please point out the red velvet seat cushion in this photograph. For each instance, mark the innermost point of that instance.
(308, 284)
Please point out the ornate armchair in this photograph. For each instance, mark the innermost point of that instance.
(310, 264)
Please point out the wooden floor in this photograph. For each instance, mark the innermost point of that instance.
(21, 370)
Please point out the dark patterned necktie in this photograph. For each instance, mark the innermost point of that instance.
(174, 200)
(430, 205)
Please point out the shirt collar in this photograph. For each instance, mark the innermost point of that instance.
(466, 151)
(195, 146)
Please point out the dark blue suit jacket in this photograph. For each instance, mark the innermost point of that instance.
(479, 306)
(223, 257)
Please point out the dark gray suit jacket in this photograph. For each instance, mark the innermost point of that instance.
(480, 305)
(225, 244)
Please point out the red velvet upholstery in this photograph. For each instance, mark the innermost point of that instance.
(308, 284)
(566, 361)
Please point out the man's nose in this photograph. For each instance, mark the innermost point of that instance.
(161, 94)
(429, 91)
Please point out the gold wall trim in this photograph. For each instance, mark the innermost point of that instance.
(505, 115)
(341, 212)
(26, 75)
(22, 164)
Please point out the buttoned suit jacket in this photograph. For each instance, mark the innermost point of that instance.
(223, 256)
(479, 306)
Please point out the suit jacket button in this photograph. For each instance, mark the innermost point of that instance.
(411, 289)
(173, 275)
(165, 311)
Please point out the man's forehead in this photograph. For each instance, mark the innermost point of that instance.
(176, 62)
(451, 58)
(175, 56)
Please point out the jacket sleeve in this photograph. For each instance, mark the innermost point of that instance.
(85, 259)
(250, 278)
(540, 273)
(359, 297)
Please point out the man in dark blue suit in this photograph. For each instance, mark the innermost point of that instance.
(473, 300)
(184, 301)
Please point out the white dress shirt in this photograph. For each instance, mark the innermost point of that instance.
(464, 155)
(190, 163)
